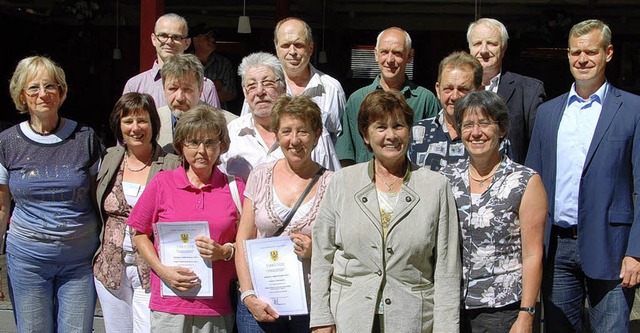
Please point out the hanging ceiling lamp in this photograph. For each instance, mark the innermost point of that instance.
(322, 57)
(244, 24)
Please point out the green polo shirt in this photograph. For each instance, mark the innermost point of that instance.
(350, 145)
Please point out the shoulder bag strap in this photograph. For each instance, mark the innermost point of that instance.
(304, 194)
(235, 194)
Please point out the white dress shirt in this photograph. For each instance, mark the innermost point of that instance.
(248, 149)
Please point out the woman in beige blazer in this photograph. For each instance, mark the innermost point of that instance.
(386, 254)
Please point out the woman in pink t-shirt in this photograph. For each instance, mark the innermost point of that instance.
(196, 191)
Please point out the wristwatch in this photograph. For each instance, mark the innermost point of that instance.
(529, 309)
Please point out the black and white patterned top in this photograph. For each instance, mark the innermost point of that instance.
(490, 229)
(432, 147)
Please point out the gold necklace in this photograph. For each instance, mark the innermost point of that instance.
(481, 181)
(389, 186)
(126, 163)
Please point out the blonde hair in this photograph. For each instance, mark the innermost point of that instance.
(587, 26)
(26, 70)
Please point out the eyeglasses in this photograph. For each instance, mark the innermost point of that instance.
(266, 84)
(163, 38)
(483, 124)
(195, 144)
(49, 88)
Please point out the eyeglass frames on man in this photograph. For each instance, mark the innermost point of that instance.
(266, 84)
(164, 38)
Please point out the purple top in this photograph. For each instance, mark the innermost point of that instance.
(170, 197)
(150, 82)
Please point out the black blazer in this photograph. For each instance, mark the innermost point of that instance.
(523, 95)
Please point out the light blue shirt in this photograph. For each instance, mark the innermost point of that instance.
(576, 130)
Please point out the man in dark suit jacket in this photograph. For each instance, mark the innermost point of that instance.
(586, 147)
(487, 40)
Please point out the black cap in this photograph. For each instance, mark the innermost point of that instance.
(202, 29)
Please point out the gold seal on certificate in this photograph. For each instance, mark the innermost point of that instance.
(276, 274)
(176, 247)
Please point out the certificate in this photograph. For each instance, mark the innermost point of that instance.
(177, 247)
(276, 274)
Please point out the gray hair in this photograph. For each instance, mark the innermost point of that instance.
(173, 16)
(181, 65)
(504, 35)
(261, 59)
(587, 26)
(407, 38)
(485, 102)
(308, 34)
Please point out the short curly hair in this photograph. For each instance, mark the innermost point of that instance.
(300, 107)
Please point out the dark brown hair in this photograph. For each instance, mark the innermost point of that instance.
(132, 104)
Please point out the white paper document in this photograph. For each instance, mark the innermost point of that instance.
(177, 247)
(276, 274)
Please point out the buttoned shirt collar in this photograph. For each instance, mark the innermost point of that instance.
(182, 181)
(407, 86)
(156, 71)
(598, 96)
(249, 128)
(314, 83)
(494, 83)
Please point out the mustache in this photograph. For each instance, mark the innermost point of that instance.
(265, 98)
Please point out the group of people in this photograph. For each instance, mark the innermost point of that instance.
(459, 211)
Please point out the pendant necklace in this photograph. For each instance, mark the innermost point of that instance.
(481, 181)
(389, 186)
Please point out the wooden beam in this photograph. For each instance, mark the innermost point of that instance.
(282, 9)
(150, 10)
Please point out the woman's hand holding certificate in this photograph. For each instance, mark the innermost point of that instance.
(213, 251)
(276, 274)
(179, 278)
(184, 265)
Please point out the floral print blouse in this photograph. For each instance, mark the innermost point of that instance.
(490, 230)
(108, 265)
